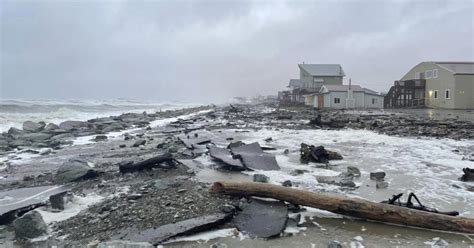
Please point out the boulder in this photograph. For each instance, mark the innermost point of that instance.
(69, 125)
(13, 131)
(35, 137)
(75, 169)
(31, 126)
(58, 201)
(380, 175)
(30, 225)
(51, 127)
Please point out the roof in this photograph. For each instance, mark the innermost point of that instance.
(355, 88)
(457, 67)
(294, 83)
(323, 69)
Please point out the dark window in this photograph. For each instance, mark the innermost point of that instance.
(374, 100)
(337, 100)
(446, 94)
(436, 94)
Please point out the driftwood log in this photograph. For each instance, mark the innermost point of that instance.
(353, 207)
(146, 164)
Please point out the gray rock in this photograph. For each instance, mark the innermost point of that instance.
(58, 201)
(75, 169)
(13, 131)
(35, 137)
(19, 142)
(30, 225)
(347, 182)
(259, 178)
(139, 143)
(122, 145)
(287, 183)
(354, 171)
(30, 126)
(381, 184)
(51, 127)
(334, 244)
(69, 125)
(380, 175)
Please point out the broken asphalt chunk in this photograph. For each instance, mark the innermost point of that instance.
(254, 158)
(160, 234)
(17, 201)
(262, 219)
(223, 155)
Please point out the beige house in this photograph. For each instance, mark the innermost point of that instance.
(447, 85)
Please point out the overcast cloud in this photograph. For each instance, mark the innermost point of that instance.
(214, 50)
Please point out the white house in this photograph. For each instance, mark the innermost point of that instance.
(345, 97)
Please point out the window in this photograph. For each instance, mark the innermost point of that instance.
(374, 100)
(417, 75)
(337, 100)
(429, 74)
(446, 94)
(435, 73)
(435, 94)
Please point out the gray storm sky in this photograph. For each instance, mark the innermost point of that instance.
(214, 50)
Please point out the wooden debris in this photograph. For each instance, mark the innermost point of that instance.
(353, 207)
(147, 164)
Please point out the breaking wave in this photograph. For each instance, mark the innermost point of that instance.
(14, 112)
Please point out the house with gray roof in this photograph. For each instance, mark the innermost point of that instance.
(434, 84)
(312, 77)
(345, 97)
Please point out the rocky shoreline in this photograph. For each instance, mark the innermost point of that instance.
(171, 191)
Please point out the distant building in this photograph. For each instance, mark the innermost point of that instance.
(345, 97)
(448, 85)
(312, 78)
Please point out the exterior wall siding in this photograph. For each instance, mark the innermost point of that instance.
(308, 80)
(463, 93)
(461, 87)
(368, 101)
(362, 100)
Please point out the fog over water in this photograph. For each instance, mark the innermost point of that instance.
(195, 51)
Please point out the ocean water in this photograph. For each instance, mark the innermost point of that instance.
(13, 112)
